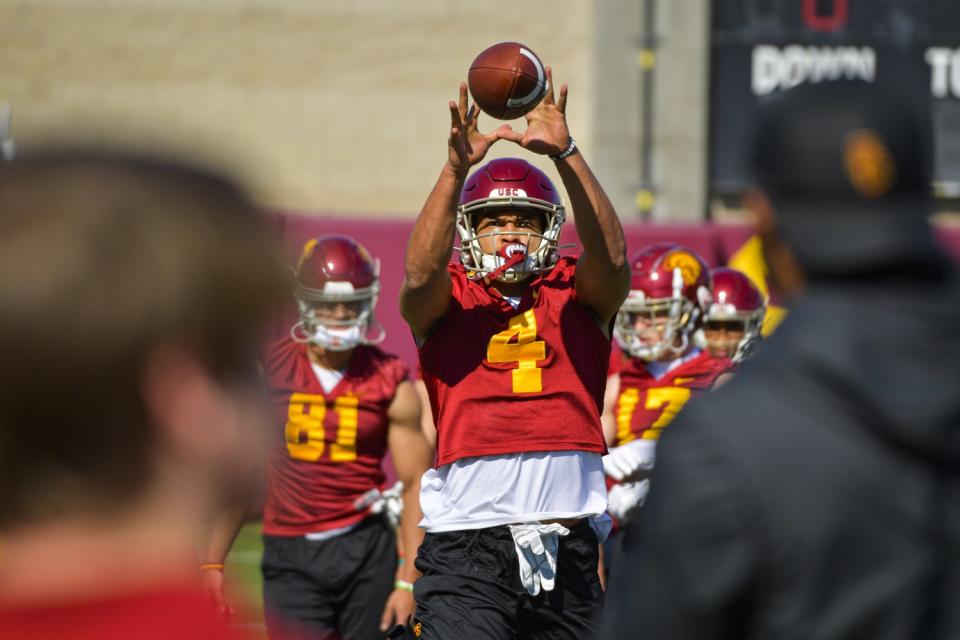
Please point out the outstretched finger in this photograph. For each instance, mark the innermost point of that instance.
(463, 102)
(472, 117)
(386, 620)
(562, 102)
(455, 121)
(549, 97)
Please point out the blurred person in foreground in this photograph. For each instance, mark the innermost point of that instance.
(133, 296)
(816, 495)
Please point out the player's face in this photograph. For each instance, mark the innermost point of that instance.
(499, 228)
(723, 337)
(337, 312)
(650, 326)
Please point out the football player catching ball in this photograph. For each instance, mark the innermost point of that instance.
(330, 559)
(514, 343)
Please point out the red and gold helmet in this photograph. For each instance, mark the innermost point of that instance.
(337, 286)
(735, 304)
(515, 184)
(668, 292)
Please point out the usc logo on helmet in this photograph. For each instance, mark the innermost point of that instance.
(688, 264)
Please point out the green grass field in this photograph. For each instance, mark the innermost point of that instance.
(244, 582)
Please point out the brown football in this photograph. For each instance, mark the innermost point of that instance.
(507, 80)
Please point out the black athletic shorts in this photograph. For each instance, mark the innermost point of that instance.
(471, 588)
(334, 588)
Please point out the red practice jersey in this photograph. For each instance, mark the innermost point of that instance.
(159, 614)
(504, 380)
(645, 405)
(326, 449)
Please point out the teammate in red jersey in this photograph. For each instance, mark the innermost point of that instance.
(660, 368)
(133, 294)
(330, 559)
(733, 317)
(514, 344)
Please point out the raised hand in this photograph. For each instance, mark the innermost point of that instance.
(547, 131)
(467, 145)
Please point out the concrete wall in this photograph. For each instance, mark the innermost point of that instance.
(617, 101)
(681, 102)
(323, 104)
(679, 105)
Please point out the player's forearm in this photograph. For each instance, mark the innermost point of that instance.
(426, 286)
(594, 216)
(431, 243)
(223, 531)
(411, 534)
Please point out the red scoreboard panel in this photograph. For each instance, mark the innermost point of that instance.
(762, 47)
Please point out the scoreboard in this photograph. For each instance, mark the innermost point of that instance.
(762, 47)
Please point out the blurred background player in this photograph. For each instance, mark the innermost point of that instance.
(133, 295)
(514, 345)
(659, 367)
(733, 318)
(330, 561)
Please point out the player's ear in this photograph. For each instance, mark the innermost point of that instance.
(179, 398)
(199, 419)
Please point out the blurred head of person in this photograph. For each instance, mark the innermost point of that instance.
(134, 293)
(843, 185)
(668, 291)
(337, 283)
(733, 315)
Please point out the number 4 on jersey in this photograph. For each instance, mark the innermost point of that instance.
(518, 343)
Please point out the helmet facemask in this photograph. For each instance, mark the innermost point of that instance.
(540, 260)
(676, 315)
(319, 325)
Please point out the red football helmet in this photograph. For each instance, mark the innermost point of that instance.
(668, 288)
(509, 183)
(337, 286)
(735, 304)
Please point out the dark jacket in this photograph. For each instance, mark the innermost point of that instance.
(817, 495)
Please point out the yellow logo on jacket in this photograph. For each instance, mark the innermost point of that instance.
(868, 163)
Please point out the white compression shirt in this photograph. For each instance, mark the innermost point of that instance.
(490, 491)
(328, 378)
